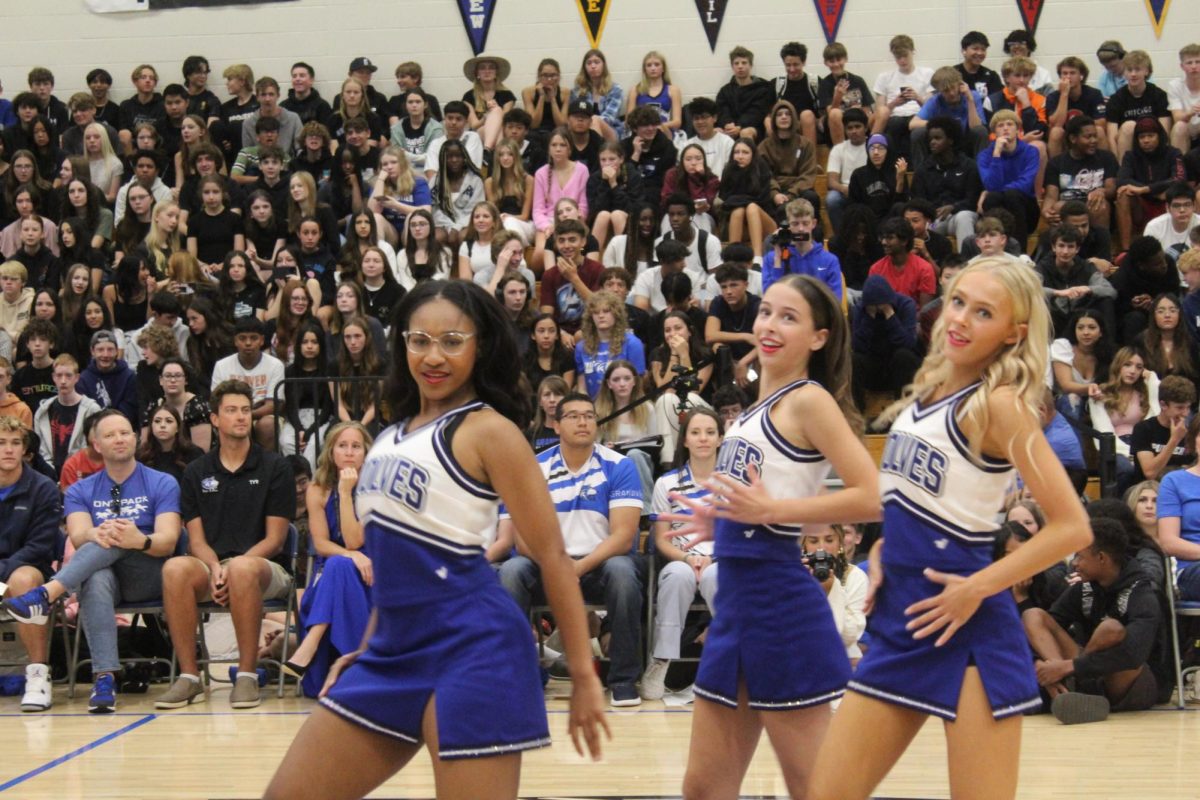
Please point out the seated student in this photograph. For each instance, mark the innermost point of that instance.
(689, 567)
(838, 92)
(170, 129)
(647, 288)
(798, 252)
(743, 102)
(266, 90)
(1166, 344)
(1101, 632)
(716, 143)
(1173, 228)
(791, 159)
(1189, 267)
(1080, 360)
(124, 523)
(971, 71)
(303, 99)
(1144, 275)
(145, 106)
(949, 179)
(595, 85)
(693, 177)
(908, 273)
(1111, 56)
(245, 168)
(1138, 98)
(398, 191)
(215, 229)
(566, 286)
(1009, 171)
(83, 114)
(585, 142)
(900, 93)
(599, 501)
(882, 182)
(798, 88)
(516, 129)
(844, 583)
(255, 368)
(488, 98)
(1021, 44)
(455, 130)
(34, 382)
(613, 192)
(30, 512)
(951, 98)
(60, 420)
(11, 404)
(928, 314)
(1083, 172)
(1070, 283)
(1073, 97)
(108, 380)
(1129, 396)
(605, 338)
(99, 82)
(927, 243)
(236, 502)
(455, 190)
(844, 158)
(648, 150)
(731, 315)
(1149, 168)
(883, 344)
(1017, 96)
(16, 299)
(620, 282)
(206, 162)
(745, 203)
(43, 268)
(145, 174)
(1158, 446)
(704, 248)
(1184, 93)
(408, 79)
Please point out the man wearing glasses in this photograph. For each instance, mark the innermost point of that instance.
(598, 497)
(29, 515)
(1173, 227)
(124, 522)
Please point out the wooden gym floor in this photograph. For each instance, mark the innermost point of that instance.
(211, 751)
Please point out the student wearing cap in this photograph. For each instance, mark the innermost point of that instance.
(585, 142)
(108, 380)
(488, 98)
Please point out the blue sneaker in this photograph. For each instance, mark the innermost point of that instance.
(32, 608)
(104, 695)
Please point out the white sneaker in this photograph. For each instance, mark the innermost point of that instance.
(38, 695)
(653, 685)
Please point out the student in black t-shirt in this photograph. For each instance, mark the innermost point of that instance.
(303, 100)
(214, 230)
(516, 127)
(978, 77)
(799, 89)
(1136, 99)
(841, 90)
(488, 99)
(99, 82)
(730, 322)
(1072, 98)
(34, 382)
(241, 288)
(1084, 173)
(585, 142)
(408, 78)
(227, 132)
(1157, 445)
(201, 101)
(144, 107)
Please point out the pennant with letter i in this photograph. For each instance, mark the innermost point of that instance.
(830, 13)
(477, 19)
(1158, 14)
(1031, 12)
(712, 14)
(594, 12)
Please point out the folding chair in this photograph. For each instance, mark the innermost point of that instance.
(291, 549)
(1179, 609)
(58, 616)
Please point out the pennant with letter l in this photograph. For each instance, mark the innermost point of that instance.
(1031, 12)
(594, 12)
(712, 14)
(477, 19)
(830, 13)
(1158, 14)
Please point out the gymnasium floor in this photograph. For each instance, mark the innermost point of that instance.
(210, 751)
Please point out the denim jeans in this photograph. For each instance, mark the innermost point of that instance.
(105, 577)
(619, 583)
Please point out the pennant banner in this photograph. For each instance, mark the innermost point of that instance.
(712, 14)
(594, 12)
(1158, 14)
(110, 6)
(830, 13)
(477, 19)
(1031, 12)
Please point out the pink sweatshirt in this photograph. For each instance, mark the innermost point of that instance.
(547, 193)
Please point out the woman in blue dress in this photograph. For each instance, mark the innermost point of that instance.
(446, 661)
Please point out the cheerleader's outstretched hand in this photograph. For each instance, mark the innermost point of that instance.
(746, 502)
(696, 523)
(948, 610)
(588, 717)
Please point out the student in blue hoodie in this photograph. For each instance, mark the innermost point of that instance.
(802, 255)
(108, 380)
(883, 340)
(1009, 172)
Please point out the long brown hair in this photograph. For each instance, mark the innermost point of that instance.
(1156, 356)
(326, 475)
(1114, 399)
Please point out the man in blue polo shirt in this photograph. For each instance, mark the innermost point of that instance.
(124, 522)
(598, 497)
(951, 98)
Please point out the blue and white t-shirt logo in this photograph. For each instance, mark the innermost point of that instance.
(209, 484)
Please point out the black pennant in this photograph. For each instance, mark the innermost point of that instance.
(712, 14)
(594, 12)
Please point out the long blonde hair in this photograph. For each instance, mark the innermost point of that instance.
(508, 182)
(479, 89)
(1114, 399)
(298, 211)
(1021, 365)
(405, 180)
(157, 241)
(326, 475)
(643, 84)
(364, 103)
(604, 301)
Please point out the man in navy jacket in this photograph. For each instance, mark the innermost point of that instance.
(883, 340)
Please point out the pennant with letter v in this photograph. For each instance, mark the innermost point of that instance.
(594, 12)
(477, 19)
(712, 14)
(1031, 12)
(830, 13)
(1158, 14)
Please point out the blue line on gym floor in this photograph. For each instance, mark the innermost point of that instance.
(33, 773)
